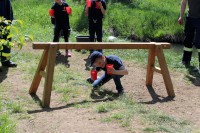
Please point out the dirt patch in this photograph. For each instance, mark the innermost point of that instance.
(65, 118)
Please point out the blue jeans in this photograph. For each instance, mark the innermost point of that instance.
(105, 78)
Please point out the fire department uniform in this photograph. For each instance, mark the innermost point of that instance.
(7, 12)
(95, 17)
(61, 21)
(192, 31)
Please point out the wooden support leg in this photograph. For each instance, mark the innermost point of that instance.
(165, 71)
(151, 61)
(37, 77)
(49, 75)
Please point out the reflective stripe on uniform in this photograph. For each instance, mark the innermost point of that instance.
(187, 49)
(5, 54)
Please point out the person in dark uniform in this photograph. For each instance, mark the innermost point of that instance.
(95, 10)
(6, 12)
(192, 29)
(115, 73)
(60, 10)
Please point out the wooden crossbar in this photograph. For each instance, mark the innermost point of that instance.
(49, 55)
(94, 45)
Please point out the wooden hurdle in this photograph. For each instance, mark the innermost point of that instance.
(49, 56)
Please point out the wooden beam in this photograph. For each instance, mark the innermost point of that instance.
(151, 62)
(100, 45)
(37, 77)
(165, 71)
(49, 75)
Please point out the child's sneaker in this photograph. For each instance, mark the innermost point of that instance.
(121, 92)
(68, 54)
(89, 80)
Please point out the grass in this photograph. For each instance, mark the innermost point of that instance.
(126, 111)
(75, 92)
(146, 21)
(8, 109)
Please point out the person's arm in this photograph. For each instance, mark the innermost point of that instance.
(183, 7)
(122, 71)
(103, 10)
(86, 11)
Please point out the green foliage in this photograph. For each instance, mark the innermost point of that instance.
(6, 125)
(9, 30)
(144, 19)
(136, 19)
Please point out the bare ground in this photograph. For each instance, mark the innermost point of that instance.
(62, 117)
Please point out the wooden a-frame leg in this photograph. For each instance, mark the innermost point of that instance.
(165, 71)
(37, 77)
(151, 62)
(49, 75)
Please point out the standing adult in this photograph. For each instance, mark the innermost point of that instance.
(95, 10)
(192, 29)
(6, 12)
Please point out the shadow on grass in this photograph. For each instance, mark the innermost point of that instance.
(193, 75)
(156, 98)
(61, 59)
(36, 99)
(3, 73)
(102, 96)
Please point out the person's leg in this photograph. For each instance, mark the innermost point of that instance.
(56, 36)
(66, 37)
(197, 38)
(101, 81)
(99, 32)
(5, 54)
(5, 57)
(91, 31)
(188, 41)
(118, 84)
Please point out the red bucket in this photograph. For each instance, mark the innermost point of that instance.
(94, 74)
(108, 67)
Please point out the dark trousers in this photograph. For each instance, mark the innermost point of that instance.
(192, 37)
(105, 78)
(57, 31)
(57, 34)
(95, 27)
(5, 54)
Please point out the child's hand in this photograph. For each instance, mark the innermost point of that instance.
(111, 70)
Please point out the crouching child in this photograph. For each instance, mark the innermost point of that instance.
(113, 67)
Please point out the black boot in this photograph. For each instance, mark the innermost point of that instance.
(9, 63)
(186, 58)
